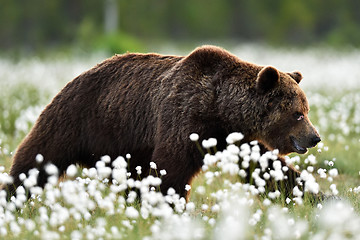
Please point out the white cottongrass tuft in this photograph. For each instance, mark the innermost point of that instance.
(333, 172)
(240, 206)
(194, 137)
(51, 169)
(71, 171)
(310, 183)
(163, 172)
(209, 143)
(234, 137)
(138, 170)
(153, 165)
(39, 158)
(131, 212)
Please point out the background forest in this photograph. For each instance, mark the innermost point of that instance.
(119, 24)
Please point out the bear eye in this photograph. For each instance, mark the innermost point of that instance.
(299, 116)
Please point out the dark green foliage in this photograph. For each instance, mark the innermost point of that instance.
(38, 25)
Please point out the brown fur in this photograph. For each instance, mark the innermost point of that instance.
(148, 105)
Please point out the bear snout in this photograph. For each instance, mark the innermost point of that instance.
(301, 145)
(315, 140)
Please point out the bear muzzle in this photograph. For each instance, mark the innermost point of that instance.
(301, 146)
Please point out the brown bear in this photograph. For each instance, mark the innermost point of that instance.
(148, 105)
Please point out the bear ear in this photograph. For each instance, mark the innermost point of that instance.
(267, 79)
(296, 76)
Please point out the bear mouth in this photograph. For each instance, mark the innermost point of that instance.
(297, 147)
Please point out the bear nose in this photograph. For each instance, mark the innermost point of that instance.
(315, 140)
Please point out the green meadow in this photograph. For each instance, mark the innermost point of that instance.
(83, 205)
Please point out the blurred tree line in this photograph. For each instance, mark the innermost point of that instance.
(44, 24)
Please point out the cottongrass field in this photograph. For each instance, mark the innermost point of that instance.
(84, 205)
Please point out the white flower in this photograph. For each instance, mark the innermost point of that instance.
(39, 158)
(233, 149)
(234, 137)
(333, 189)
(100, 164)
(106, 159)
(277, 174)
(312, 159)
(245, 164)
(153, 165)
(333, 172)
(204, 207)
(138, 170)
(310, 183)
(211, 142)
(339, 217)
(255, 155)
(245, 150)
(267, 202)
(30, 225)
(194, 137)
(163, 172)
(298, 200)
(275, 194)
(190, 206)
(154, 181)
(242, 173)
(297, 192)
(215, 208)
(209, 159)
(209, 175)
(357, 189)
(22, 176)
(15, 228)
(104, 172)
(312, 187)
(259, 181)
(264, 161)
(171, 191)
(266, 176)
(61, 228)
(119, 175)
(71, 170)
(76, 234)
(119, 162)
(51, 169)
(322, 172)
(277, 165)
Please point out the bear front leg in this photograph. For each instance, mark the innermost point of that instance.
(25, 159)
(180, 166)
(23, 167)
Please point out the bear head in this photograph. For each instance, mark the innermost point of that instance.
(261, 102)
(287, 126)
